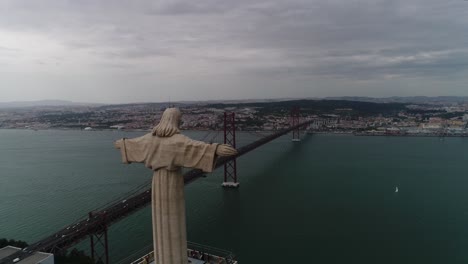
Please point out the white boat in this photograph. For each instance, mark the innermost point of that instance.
(396, 189)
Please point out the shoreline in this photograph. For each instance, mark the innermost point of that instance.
(408, 135)
(358, 134)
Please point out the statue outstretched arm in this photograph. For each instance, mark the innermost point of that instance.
(133, 150)
(118, 143)
(225, 150)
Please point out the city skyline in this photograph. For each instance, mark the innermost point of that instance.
(161, 51)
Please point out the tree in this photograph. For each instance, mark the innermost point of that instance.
(74, 257)
(14, 243)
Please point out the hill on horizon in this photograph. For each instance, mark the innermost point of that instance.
(393, 99)
(41, 103)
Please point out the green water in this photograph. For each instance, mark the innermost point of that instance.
(327, 199)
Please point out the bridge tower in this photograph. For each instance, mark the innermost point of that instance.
(296, 135)
(99, 256)
(230, 168)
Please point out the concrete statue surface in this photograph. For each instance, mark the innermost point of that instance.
(166, 151)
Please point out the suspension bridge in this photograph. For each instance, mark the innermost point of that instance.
(95, 226)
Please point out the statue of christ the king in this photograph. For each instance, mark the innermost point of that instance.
(166, 151)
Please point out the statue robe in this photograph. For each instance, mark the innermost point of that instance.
(165, 156)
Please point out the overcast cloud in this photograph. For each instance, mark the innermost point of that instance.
(139, 51)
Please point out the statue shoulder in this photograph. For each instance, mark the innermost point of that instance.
(179, 136)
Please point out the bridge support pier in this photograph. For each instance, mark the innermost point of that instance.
(230, 168)
(296, 135)
(101, 241)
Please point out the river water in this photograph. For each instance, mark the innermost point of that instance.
(327, 199)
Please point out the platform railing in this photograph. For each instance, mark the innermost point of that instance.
(208, 254)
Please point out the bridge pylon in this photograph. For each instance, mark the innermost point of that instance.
(99, 240)
(296, 133)
(230, 168)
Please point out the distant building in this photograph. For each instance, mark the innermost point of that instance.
(392, 131)
(117, 127)
(35, 258)
(437, 120)
(432, 126)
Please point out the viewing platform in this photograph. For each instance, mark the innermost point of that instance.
(197, 254)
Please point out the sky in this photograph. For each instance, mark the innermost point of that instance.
(152, 51)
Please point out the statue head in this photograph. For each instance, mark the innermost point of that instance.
(169, 124)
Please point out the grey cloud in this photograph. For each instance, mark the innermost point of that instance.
(349, 40)
(113, 65)
(370, 66)
(129, 53)
(357, 30)
(7, 52)
(195, 7)
(7, 49)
